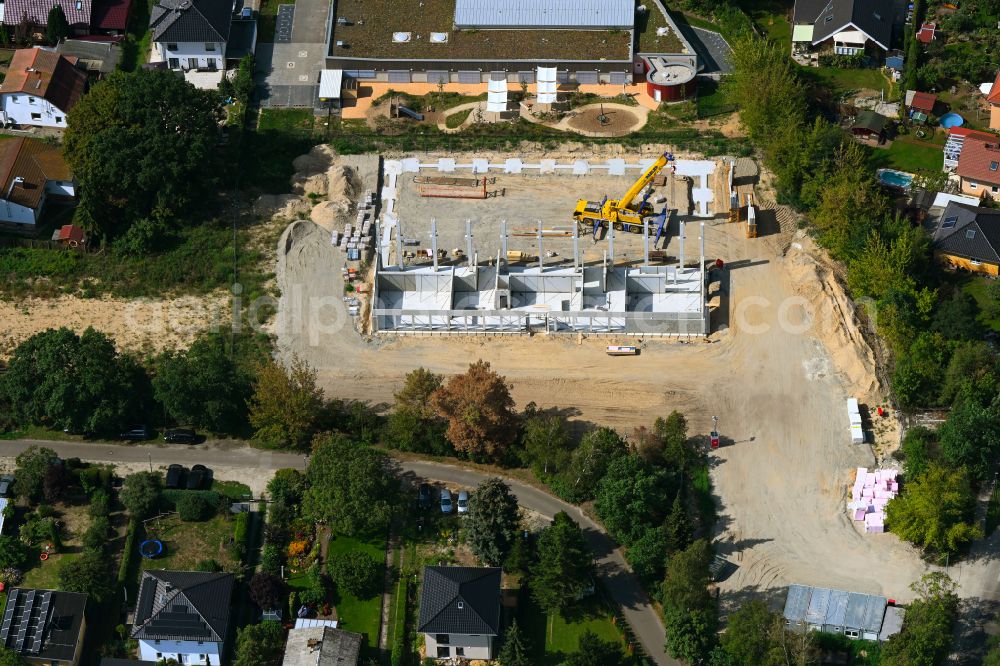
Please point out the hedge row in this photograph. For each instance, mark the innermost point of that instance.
(128, 553)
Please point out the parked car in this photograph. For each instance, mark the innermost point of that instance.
(446, 506)
(197, 478)
(138, 433)
(463, 501)
(424, 500)
(175, 475)
(180, 436)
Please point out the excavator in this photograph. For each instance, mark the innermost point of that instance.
(621, 212)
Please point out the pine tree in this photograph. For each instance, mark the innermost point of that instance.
(515, 648)
(56, 26)
(678, 525)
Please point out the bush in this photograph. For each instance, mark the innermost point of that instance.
(238, 549)
(37, 530)
(195, 507)
(356, 573)
(13, 553)
(100, 504)
(271, 558)
(45, 511)
(96, 536)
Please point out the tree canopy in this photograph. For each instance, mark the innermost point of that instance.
(286, 405)
(141, 494)
(143, 146)
(203, 386)
(632, 495)
(565, 566)
(352, 487)
(589, 462)
(594, 651)
(971, 436)
(56, 26)
(78, 382)
(926, 635)
(492, 522)
(260, 644)
(90, 573)
(936, 510)
(547, 444)
(689, 611)
(32, 465)
(480, 412)
(516, 649)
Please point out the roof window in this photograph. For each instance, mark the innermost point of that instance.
(949, 222)
(828, 18)
(994, 165)
(970, 234)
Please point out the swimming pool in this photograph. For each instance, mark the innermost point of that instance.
(894, 178)
(949, 120)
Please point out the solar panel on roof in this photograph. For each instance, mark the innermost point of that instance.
(22, 632)
(43, 616)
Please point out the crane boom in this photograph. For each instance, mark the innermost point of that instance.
(620, 212)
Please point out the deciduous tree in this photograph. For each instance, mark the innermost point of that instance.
(203, 386)
(285, 405)
(631, 496)
(260, 644)
(593, 651)
(748, 633)
(90, 573)
(267, 591)
(479, 410)
(141, 494)
(927, 627)
(935, 512)
(971, 435)
(589, 462)
(79, 382)
(547, 444)
(142, 145)
(357, 573)
(688, 607)
(32, 465)
(565, 566)
(493, 521)
(648, 555)
(351, 487)
(415, 396)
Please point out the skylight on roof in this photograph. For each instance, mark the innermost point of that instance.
(949, 222)
(970, 234)
(994, 165)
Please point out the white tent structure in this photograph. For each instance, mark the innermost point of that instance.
(496, 97)
(545, 80)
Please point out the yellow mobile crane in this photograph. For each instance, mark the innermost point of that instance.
(621, 212)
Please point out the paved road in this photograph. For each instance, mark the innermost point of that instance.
(618, 579)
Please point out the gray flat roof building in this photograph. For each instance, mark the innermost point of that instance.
(539, 14)
(853, 614)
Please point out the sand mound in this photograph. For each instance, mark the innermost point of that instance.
(835, 320)
(285, 206)
(315, 161)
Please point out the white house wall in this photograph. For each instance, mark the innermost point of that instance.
(475, 646)
(191, 55)
(25, 109)
(185, 652)
(16, 213)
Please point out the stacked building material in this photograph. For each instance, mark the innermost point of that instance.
(870, 495)
(854, 417)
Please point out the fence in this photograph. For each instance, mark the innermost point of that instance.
(36, 244)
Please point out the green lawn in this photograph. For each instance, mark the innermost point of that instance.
(712, 98)
(553, 636)
(909, 154)
(360, 615)
(456, 119)
(978, 288)
(286, 119)
(266, 19)
(45, 575)
(234, 490)
(843, 80)
(187, 544)
(135, 46)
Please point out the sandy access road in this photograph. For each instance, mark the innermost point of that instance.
(779, 390)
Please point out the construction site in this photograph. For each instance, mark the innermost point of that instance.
(517, 246)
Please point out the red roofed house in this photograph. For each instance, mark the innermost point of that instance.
(70, 234)
(40, 89)
(926, 32)
(37, 12)
(923, 102)
(956, 141)
(979, 167)
(31, 172)
(994, 101)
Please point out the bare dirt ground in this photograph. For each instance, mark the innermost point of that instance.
(784, 356)
(142, 325)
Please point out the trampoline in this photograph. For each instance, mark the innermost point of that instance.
(151, 548)
(950, 120)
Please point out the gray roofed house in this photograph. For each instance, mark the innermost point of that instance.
(852, 614)
(97, 58)
(968, 237)
(460, 611)
(322, 646)
(190, 20)
(831, 19)
(182, 615)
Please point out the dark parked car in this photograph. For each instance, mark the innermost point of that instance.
(180, 436)
(198, 476)
(175, 474)
(425, 496)
(138, 433)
